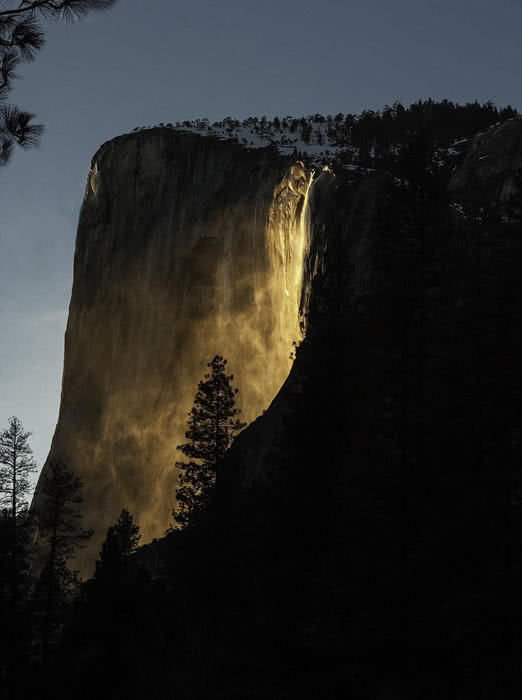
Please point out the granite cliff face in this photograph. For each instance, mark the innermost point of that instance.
(187, 247)
(366, 534)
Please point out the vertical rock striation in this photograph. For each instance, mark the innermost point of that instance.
(187, 246)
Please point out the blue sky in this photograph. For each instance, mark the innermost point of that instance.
(164, 60)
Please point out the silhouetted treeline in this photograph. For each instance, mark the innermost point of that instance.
(445, 120)
(37, 584)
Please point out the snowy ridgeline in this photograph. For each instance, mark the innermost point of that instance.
(356, 143)
(340, 142)
(317, 139)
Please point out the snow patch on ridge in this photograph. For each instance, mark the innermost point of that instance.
(317, 139)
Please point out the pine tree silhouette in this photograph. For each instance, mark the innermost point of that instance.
(212, 425)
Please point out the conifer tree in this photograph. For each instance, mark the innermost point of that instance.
(61, 524)
(121, 541)
(212, 425)
(113, 600)
(16, 467)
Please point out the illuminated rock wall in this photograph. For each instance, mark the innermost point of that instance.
(186, 247)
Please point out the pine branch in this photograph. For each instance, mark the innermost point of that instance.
(17, 124)
(64, 9)
(21, 38)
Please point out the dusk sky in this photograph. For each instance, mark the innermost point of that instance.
(167, 60)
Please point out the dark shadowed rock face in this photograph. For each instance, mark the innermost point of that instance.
(491, 173)
(421, 321)
(187, 247)
(425, 297)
